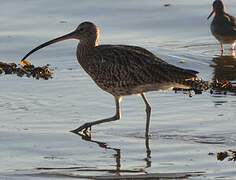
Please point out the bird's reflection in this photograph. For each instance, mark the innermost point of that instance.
(224, 74)
(224, 68)
(117, 154)
(103, 145)
(148, 152)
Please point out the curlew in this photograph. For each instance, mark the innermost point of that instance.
(223, 26)
(123, 70)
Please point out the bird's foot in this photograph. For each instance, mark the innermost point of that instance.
(84, 130)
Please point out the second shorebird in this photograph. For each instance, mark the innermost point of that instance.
(223, 26)
(123, 70)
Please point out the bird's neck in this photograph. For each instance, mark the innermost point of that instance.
(220, 12)
(84, 48)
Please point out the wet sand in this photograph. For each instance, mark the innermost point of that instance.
(37, 115)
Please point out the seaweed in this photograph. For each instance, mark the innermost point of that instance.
(230, 155)
(225, 86)
(26, 69)
(216, 87)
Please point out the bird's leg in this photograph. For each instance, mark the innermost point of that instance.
(147, 135)
(222, 48)
(85, 126)
(233, 53)
(232, 47)
(148, 113)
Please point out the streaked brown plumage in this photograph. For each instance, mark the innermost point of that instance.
(124, 70)
(223, 26)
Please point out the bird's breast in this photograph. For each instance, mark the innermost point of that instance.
(223, 34)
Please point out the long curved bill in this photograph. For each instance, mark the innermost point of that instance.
(212, 12)
(62, 38)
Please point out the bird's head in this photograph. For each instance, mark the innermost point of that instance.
(86, 32)
(218, 7)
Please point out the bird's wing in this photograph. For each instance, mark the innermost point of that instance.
(231, 19)
(140, 50)
(231, 22)
(132, 66)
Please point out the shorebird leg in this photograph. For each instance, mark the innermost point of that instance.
(232, 47)
(222, 48)
(148, 113)
(84, 128)
(233, 53)
(147, 135)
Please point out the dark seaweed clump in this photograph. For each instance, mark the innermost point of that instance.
(205, 86)
(230, 155)
(216, 87)
(26, 69)
(220, 87)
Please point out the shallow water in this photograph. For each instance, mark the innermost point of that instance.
(36, 115)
